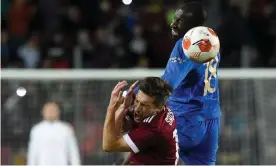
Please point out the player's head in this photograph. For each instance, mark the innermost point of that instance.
(51, 111)
(189, 15)
(151, 98)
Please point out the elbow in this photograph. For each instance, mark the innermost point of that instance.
(106, 148)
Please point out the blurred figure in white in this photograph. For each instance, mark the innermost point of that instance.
(52, 142)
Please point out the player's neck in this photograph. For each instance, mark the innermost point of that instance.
(51, 120)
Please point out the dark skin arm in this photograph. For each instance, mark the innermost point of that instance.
(112, 139)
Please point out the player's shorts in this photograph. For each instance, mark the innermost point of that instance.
(198, 141)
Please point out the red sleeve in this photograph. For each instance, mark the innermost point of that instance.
(140, 138)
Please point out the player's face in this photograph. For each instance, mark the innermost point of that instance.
(178, 25)
(144, 106)
(50, 112)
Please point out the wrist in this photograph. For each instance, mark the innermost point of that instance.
(112, 108)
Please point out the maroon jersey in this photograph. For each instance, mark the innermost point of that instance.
(154, 140)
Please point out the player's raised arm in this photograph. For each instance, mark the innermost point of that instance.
(111, 135)
(178, 66)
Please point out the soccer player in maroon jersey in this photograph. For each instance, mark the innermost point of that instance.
(153, 140)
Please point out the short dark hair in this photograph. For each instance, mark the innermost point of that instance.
(156, 87)
(194, 12)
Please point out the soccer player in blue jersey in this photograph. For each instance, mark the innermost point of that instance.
(195, 99)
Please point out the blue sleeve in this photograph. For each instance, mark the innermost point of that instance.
(178, 66)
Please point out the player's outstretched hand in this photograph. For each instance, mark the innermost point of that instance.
(116, 98)
(127, 100)
(129, 97)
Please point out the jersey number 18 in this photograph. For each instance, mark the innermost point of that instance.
(212, 68)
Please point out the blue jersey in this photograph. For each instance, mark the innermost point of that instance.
(196, 89)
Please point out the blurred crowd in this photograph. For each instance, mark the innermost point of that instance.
(110, 34)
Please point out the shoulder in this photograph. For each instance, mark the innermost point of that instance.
(66, 126)
(37, 128)
(161, 120)
(169, 117)
(166, 121)
(177, 55)
(178, 45)
(179, 42)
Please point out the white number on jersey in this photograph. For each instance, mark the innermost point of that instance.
(212, 68)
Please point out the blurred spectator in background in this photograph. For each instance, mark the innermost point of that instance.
(109, 34)
(19, 18)
(55, 53)
(102, 56)
(138, 44)
(30, 52)
(5, 5)
(49, 12)
(52, 142)
(232, 41)
(261, 23)
(5, 53)
(84, 50)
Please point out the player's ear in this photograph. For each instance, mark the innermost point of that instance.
(161, 107)
(156, 110)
